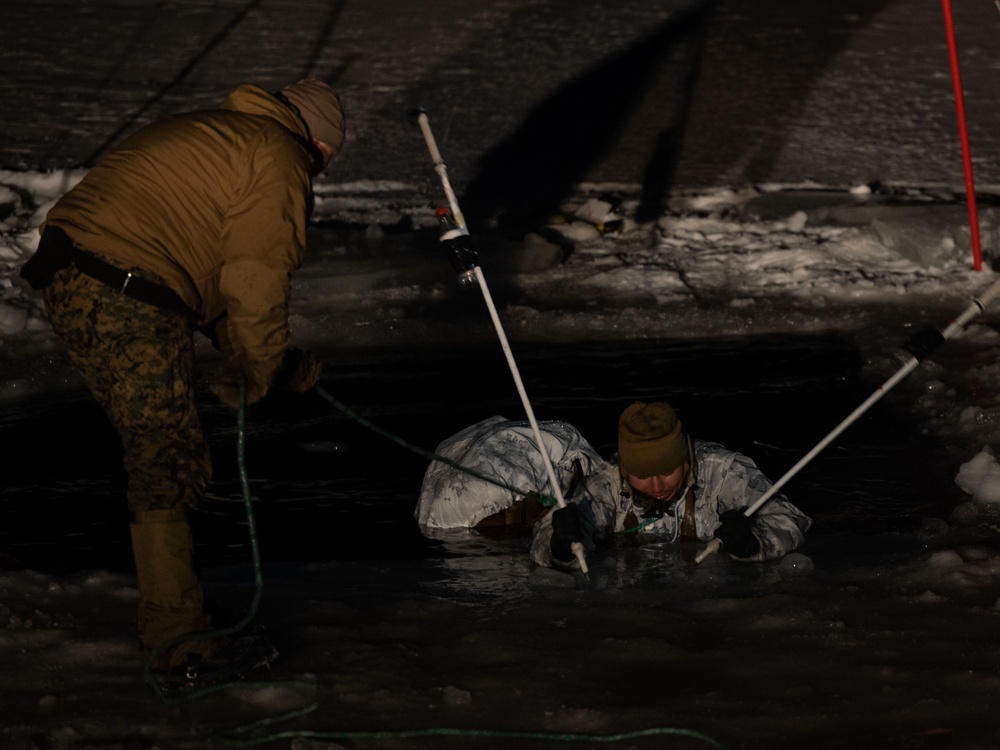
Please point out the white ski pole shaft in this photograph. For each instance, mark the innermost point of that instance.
(576, 547)
(974, 308)
(421, 118)
(505, 345)
(439, 166)
(714, 544)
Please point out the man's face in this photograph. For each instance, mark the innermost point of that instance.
(664, 488)
(656, 495)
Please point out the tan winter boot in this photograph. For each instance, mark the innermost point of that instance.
(171, 598)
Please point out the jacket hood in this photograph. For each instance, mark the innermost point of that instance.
(253, 100)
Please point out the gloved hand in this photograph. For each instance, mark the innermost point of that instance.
(736, 534)
(566, 529)
(299, 371)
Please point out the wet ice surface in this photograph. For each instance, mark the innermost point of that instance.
(870, 636)
(329, 487)
(870, 654)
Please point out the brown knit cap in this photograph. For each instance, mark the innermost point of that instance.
(651, 440)
(319, 107)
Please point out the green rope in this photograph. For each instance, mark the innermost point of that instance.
(546, 500)
(238, 736)
(494, 734)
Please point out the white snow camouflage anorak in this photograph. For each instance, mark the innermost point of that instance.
(506, 452)
(502, 464)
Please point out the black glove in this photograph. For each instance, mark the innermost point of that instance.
(736, 534)
(299, 371)
(566, 529)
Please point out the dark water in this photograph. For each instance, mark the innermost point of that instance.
(327, 487)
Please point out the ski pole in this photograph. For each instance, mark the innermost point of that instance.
(910, 354)
(466, 257)
(418, 115)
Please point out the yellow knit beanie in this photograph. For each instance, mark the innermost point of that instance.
(651, 440)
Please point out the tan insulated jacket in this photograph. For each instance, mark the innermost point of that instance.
(215, 203)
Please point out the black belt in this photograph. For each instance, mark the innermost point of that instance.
(127, 283)
(56, 250)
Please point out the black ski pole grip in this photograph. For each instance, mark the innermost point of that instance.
(414, 115)
(924, 342)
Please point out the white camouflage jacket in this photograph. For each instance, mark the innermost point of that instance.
(500, 462)
(722, 480)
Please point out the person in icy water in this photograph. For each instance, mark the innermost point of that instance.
(194, 222)
(661, 482)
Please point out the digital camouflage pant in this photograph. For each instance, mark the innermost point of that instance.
(138, 362)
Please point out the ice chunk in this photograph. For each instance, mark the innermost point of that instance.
(980, 477)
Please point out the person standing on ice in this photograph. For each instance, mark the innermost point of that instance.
(194, 222)
(661, 482)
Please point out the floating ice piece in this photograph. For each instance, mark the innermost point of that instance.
(980, 477)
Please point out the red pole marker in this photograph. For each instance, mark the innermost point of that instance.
(970, 188)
